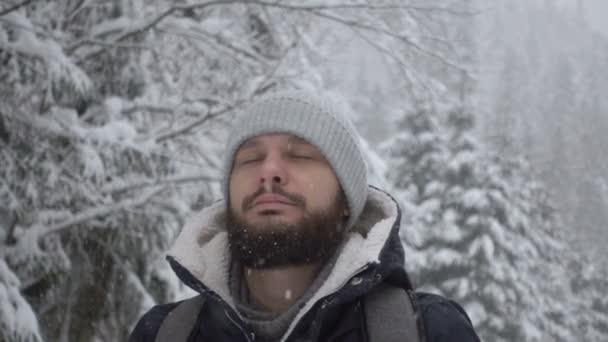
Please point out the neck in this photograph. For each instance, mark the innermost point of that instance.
(275, 290)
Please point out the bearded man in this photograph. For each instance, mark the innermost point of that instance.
(301, 248)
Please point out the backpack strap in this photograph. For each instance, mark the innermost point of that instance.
(179, 322)
(391, 316)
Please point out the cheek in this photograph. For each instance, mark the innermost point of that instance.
(322, 188)
(238, 190)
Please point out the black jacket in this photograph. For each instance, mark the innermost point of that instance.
(373, 254)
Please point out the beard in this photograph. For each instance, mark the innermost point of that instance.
(275, 244)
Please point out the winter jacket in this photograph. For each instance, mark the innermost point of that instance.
(371, 254)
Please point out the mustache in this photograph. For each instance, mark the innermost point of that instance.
(296, 199)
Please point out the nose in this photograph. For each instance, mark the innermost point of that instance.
(273, 171)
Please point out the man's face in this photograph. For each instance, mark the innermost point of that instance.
(286, 205)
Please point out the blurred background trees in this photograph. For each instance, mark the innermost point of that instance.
(485, 120)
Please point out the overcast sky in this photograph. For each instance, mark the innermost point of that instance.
(597, 11)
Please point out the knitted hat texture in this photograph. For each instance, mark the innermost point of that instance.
(319, 121)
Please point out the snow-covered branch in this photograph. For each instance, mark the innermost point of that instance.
(232, 48)
(405, 39)
(410, 76)
(189, 110)
(395, 5)
(60, 67)
(169, 181)
(316, 9)
(144, 26)
(14, 7)
(99, 211)
(188, 127)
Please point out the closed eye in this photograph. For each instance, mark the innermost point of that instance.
(249, 161)
(302, 156)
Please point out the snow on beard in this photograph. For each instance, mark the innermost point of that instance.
(274, 244)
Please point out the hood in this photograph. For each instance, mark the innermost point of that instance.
(373, 243)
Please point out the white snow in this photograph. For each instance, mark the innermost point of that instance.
(114, 106)
(476, 312)
(451, 232)
(92, 164)
(112, 26)
(60, 67)
(113, 132)
(17, 319)
(475, 198)
(483, 243)
(445, 257)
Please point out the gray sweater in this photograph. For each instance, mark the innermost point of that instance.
(268, 326)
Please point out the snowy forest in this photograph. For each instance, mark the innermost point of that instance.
(487, 120)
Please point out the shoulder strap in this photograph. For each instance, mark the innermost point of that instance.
(390, 315)
(178, 324)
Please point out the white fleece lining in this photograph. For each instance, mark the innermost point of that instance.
(202, 248)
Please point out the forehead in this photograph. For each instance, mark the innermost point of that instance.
(273, 139)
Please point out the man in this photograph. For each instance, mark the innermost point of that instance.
(300, 243)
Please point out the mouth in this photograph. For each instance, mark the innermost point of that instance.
(271, 200)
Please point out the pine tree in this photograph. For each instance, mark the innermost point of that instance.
(588, 285)
(479, 228)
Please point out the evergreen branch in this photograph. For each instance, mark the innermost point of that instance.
(45, 126)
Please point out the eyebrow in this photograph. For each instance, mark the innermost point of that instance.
(298, 140)
(252, 143)
(248, 144)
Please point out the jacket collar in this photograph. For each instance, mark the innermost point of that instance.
(202, 250)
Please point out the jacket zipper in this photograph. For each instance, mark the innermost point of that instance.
(326, 302)
(249, 337)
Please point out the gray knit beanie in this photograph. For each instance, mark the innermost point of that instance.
(316, 119)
